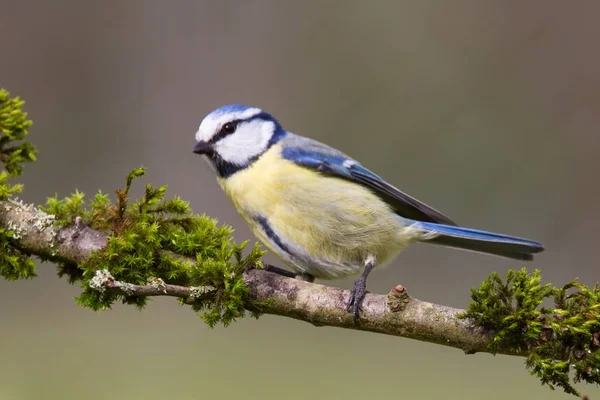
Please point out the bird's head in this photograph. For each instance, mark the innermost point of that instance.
(234, 136)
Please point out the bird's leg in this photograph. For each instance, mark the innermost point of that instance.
(359, 291)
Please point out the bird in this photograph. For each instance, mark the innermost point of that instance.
(324, 214)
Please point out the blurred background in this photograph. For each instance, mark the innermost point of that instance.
(487, 111)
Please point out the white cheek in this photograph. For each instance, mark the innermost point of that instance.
(249, 141)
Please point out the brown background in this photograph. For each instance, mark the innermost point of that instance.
(488, 111)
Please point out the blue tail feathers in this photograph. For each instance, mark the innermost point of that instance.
(482, 241)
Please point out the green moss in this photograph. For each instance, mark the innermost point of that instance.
(14, 151)
(13, 264)
(154, 238)
(558, 340)
(14, 125)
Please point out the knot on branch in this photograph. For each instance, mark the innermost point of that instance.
(398, 298)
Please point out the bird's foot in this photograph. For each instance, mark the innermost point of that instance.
(359, 291)
(357, 295)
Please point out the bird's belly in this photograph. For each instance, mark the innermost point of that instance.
(320, 225)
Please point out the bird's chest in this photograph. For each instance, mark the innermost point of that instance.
(270, 186)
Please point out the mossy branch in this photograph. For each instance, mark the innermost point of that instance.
(124, 250)
(505, 316)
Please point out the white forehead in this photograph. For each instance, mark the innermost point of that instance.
(212, 123)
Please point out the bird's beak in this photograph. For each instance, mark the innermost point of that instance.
(202, 147)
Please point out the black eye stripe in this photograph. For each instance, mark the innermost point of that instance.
(223, 132)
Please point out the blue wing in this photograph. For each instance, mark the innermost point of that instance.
(318, 156)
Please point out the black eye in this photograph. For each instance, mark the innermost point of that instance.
(229, 127)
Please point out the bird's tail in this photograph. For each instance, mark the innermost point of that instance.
(480, 241)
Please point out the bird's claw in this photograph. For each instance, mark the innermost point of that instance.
(357, 295)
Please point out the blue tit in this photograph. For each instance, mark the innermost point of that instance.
(323, 213)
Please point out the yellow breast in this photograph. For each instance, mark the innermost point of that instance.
(333, 224)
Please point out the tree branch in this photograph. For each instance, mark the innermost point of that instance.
(395, 314)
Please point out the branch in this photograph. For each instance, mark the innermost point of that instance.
(395, 314)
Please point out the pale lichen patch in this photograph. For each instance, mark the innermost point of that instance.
(100, 280)
(157, 283)
(16, 229)
(41, 220)
(127, 288)
(21, 206)
(199, 291)
(24, 217)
